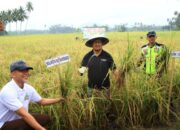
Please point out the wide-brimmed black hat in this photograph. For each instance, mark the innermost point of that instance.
(19, 65)
(104, 40)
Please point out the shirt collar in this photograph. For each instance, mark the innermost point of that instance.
(17, 86)
(153, 45)
(99, 54)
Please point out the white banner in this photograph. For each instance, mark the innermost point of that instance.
(57, 60)
(91, 32)
(176, 54)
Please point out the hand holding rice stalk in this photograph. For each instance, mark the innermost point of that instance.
(64, 82)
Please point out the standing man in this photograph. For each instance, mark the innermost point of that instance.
(15, 97)
(153, 55)
(98, 62)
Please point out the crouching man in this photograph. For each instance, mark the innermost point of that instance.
(15, 97)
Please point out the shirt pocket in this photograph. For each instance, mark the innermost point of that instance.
(104, 63)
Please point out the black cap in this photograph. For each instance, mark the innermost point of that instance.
(151, 33)
(19, 65)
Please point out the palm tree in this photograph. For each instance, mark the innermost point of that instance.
(21, 16)
(4, 18)
(29, 8)
(9, 18)
(15, 14)
(1, 16)
(176, 13)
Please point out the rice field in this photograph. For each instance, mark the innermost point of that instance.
(141, 102)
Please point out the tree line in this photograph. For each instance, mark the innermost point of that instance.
(22, 13)
(16, 15)
(174, 22)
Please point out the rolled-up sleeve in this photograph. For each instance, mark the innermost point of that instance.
(35, 96)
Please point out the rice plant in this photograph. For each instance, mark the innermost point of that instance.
(141, 101)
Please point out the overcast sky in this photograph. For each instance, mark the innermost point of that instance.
(79, 13)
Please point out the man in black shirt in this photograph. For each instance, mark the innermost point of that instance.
(98, 62)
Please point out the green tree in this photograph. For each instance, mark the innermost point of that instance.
(120, 28)
(9, 18)
(1, 17)
(177, 19)
(29, 9)
(21, 16)
(4, 17)
(15, 14)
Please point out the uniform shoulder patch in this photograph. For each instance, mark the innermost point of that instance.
(159, 44)
(144, 46)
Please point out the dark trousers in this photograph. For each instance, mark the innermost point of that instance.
(20, 124)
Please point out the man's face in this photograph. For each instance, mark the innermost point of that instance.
(97, 45)
(20, 76)
(151, 39)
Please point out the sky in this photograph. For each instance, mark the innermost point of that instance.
(79, 13)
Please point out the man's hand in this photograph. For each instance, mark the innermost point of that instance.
(119, 77)
(62, 100)
(46, 101)
(116, 73)
(82, 70)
